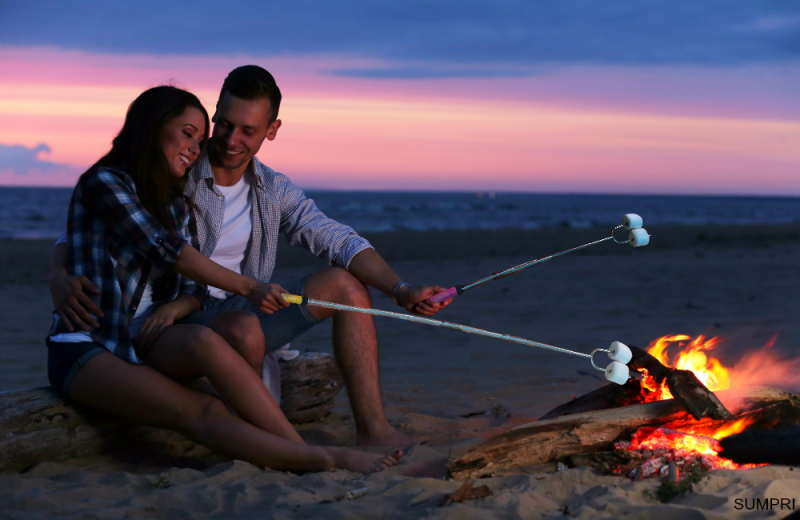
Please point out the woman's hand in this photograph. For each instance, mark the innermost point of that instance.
(266, 297)
(153, 326)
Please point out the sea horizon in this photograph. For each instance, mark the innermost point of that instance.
(40, 212)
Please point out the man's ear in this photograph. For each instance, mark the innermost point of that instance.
(272, 131)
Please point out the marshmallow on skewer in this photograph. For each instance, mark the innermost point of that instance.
(638, 237)
(617, 373)
(620, 352)
(632, 221)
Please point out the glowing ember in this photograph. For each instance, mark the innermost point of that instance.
(687, 447)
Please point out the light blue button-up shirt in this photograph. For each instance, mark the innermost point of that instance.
(278, 207)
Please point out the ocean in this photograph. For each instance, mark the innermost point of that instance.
(41, 212)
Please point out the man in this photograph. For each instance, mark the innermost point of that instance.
(241, 207)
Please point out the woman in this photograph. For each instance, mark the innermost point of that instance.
(131, 232)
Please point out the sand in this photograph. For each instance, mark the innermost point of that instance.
(452, 390)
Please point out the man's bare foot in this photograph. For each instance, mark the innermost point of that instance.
(364, 462)
(388, 436)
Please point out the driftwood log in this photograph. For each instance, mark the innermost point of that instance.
(36, 425)
(597, 431)
(683, 384)
(764, 446)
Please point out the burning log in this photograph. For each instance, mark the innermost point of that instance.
(598, 431)
(36, 425)
(682, 384)
(763, 446)
(695, 397)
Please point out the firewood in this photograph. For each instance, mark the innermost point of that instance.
(763, 446)
(36, 425)
(467, 492)
(684, 386)
(695, 397)
(608, 396)
(596, 431)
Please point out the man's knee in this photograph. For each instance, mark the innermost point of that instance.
(242, 330)
(345, 287)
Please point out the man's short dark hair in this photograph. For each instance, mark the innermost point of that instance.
(253, 82)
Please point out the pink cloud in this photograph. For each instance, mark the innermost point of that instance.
(579, 128)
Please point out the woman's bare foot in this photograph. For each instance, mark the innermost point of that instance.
(364, 462)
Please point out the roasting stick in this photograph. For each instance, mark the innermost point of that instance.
(619, 352)
(637, 237)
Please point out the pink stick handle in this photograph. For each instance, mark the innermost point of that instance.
(444, 295)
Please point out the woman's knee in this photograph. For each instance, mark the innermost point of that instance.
(205, 413)
(242, 330)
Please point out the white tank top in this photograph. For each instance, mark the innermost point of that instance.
(237, 225)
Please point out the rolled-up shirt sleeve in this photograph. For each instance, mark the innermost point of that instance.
(106, 195)
(308, 227)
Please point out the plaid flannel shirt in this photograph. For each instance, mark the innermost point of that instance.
(115, 242)
(278, 207)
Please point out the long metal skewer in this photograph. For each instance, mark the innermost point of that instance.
(459, 290)
(293, 298)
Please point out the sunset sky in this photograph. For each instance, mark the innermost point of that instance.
(624, 96)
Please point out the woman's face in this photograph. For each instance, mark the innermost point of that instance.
(181, 139)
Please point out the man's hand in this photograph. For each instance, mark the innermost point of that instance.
(267, 297)
(415, 300)
(72, 303)
(152, 328)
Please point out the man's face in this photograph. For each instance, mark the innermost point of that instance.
(240, 126)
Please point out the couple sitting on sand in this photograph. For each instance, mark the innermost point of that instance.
(163, 278)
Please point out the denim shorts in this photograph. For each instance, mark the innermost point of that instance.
(279, 328)
(65, 359)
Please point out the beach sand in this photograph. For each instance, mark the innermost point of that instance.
(740, 283)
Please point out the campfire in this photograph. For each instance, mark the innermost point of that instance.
(709, 371)
(664, 421)
(688, 445)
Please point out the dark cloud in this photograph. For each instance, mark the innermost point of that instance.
(22, 160)
(469, 37)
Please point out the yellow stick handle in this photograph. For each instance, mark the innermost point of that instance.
(292, 298)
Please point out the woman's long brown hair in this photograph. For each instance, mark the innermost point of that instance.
(137, 148)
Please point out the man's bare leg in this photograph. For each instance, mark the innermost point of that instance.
(355, 345)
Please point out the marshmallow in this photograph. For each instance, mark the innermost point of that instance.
(632, 221)
(638, 237)
(620, 352)
(617, 373)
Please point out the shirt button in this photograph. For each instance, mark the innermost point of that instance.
(158, 240)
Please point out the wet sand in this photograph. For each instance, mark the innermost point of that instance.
(740, 283)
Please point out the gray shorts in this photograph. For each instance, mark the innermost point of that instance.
(279, 328)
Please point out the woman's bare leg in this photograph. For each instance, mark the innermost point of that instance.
(140, 393)
(191, 351)
(242, 331)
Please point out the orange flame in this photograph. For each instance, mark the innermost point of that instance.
(730, 429)
(693, 357)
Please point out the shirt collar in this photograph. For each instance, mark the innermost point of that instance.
(205, 173)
